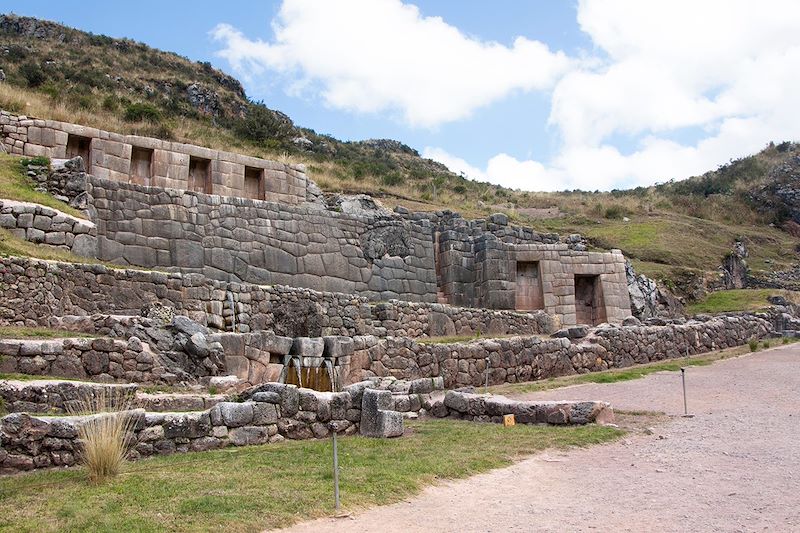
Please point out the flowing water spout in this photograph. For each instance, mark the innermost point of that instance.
(298, 369)
(331, 373)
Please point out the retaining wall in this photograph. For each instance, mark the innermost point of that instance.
(519, 359)
(239, 239)
(102, 359)
(165, 164)
(32, 291)
(44, 225)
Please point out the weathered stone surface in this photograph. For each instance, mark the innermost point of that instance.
(376, 418)
(308, 347)
(232, 414)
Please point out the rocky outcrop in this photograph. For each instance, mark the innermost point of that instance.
(648, 299)
(734, 267)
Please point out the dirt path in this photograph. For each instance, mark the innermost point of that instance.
(735, 466)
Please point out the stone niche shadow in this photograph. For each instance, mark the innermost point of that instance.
(297, 319)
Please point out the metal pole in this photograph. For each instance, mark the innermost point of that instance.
(335, 471)
(683, 380)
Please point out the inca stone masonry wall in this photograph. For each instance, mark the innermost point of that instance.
(187, 208)
(101, 359)
(519, 359)
(262, 242)
(32, 291)
(148, 161)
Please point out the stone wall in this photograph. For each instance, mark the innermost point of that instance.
(269, 413)
(529, 358)
(32, 291)
(278, 412)
(479, 264)
(44, 225)
(148, 161)
(239, 239)
(491, 408)
(100, 359)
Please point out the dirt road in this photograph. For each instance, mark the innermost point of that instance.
(735, 466)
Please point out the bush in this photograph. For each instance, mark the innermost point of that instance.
(106, 435)
(33, 74)
(391, 179)
(138, 112)
(785, 340)
(261, 124)
(39, 161)
(615, 212)
(753, 344)
(766, 344)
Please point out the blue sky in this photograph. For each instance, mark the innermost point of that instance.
(545, 95)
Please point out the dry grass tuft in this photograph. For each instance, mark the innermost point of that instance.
(106, 433)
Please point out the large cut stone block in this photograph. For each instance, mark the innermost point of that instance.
(376, 418)
(308, 347)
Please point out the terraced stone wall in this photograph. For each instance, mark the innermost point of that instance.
(529, 358)
(32, 291)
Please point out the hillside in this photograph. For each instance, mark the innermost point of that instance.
(677, 231)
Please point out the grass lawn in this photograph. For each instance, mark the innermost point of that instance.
(259, 487)
(625, 374)
(739, 300)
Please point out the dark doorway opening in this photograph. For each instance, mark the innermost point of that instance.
(529, 294)
(589, 305)
(254, 183)
(199, 175)
(141, 165)
(80, 146)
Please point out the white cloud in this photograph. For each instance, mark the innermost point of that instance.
(383, 55)
(728, 70)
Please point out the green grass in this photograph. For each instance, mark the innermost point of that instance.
(18, 332)
(30, 377)
(15, 185)
(260, 487)
(738, 300)
(618, 374)
(682, 241)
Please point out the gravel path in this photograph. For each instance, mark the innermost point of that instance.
(735, 466)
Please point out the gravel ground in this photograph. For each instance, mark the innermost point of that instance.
(734, 466)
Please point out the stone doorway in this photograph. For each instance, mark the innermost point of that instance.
(80, 146)
(141, 165)
(529, 294)
(589, 305)
(199, 175)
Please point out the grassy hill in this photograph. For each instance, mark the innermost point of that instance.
(677, 231)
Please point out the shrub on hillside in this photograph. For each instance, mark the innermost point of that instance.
(141, 112)
(33, 74)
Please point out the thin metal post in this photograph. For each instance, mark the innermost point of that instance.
(335, 471)
(683, 381)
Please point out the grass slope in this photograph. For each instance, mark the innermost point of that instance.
(260, 487)
(739, 300)
(15, 185)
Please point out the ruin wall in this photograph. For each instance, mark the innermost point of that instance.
(167, 164)
(238, 239)
(32, 291)
(519, 359)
